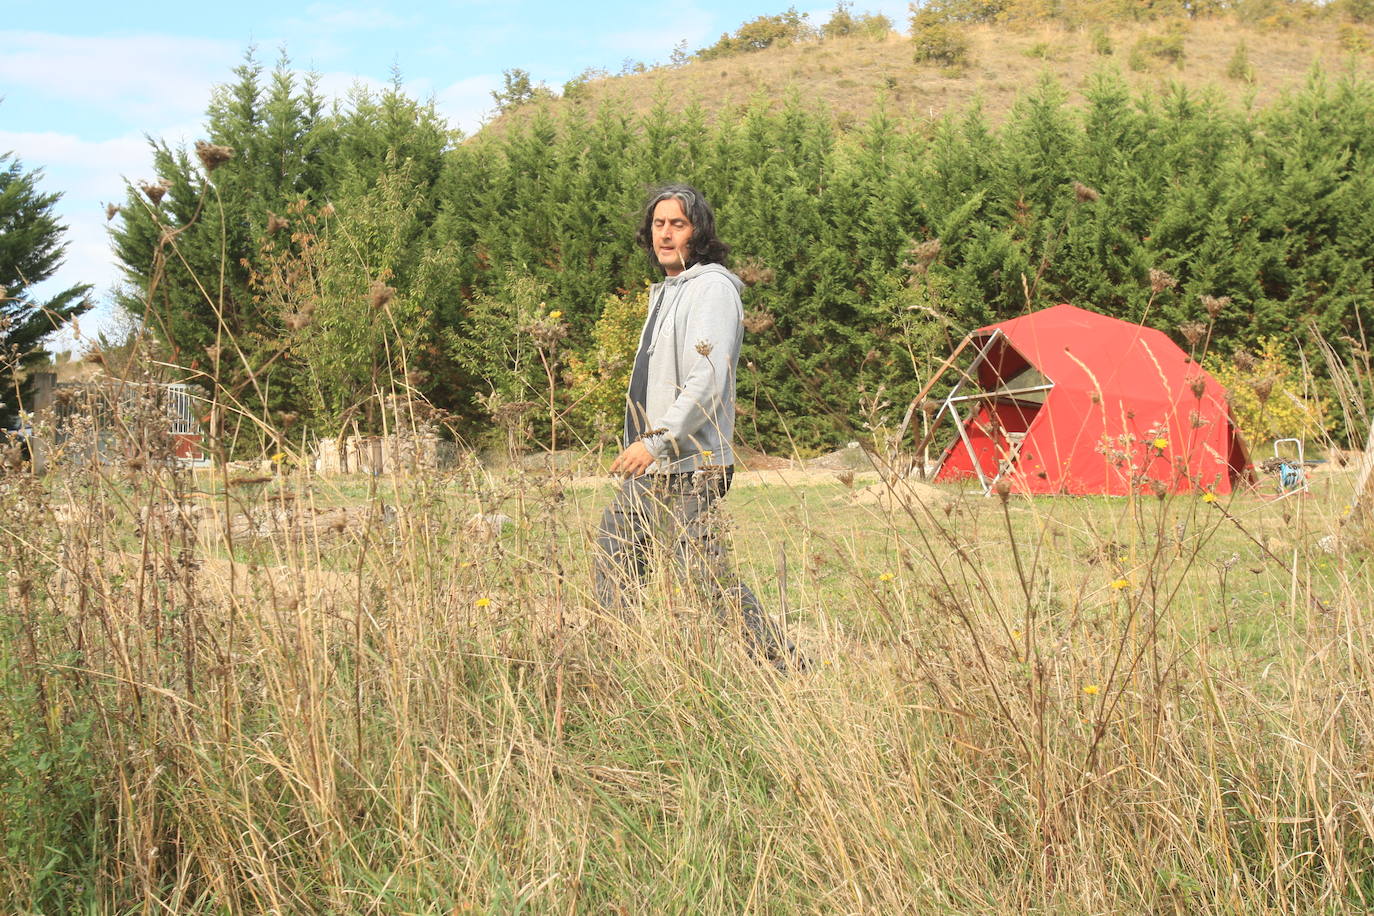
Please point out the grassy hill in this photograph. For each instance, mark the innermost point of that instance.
(1247, 63)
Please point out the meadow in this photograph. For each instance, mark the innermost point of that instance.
(279, 692)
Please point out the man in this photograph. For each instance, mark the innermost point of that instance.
(679, 418)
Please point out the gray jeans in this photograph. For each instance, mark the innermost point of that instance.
(680, 510)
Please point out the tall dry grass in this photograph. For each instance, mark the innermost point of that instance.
(299, 695)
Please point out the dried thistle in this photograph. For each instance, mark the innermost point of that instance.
(753, 273)
(155, 190)
(1084, 194)
(758, 321)
(923, 254)
(111, 211)
(1003, 489)
(1198, 384)
(846, 478)
(212, 155)
(1192, 331)
(1161, 280)
(1263, 387)
(1157, 486)
(301, 318)
(1244, 360)
(1214, 304)
(276, 223)
(379, 294)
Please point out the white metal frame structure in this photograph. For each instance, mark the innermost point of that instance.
(955, 398)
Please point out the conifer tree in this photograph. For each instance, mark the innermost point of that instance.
(31, 250)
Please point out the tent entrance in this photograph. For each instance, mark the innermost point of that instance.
(992, 405)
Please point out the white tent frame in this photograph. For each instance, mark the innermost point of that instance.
(955, 397)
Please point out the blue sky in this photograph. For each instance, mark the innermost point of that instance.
(83, 83)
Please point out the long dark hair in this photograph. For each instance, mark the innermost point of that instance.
(705, 247)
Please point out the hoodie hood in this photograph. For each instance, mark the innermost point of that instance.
(701, 270)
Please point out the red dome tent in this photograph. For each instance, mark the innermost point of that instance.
(1069, 401)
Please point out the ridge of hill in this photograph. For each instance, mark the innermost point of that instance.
(1248, 64)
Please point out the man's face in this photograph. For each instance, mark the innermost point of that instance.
(672, 231)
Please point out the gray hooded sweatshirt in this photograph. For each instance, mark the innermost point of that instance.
(690, 393)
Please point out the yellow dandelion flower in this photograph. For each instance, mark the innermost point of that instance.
(1091, 690)
(1209, 497)
(1119, 584)
(555, 315)
(1161, 443)
(1015, 634)
(279, 457)
(886, 577)
(483, 602)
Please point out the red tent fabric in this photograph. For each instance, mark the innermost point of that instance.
(1126, 406)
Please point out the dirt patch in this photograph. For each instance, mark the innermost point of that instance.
(902, 493)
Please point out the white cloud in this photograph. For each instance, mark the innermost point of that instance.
(468, 103)
(144, 77)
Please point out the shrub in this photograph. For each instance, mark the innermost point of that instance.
(576, 88)
(1354, 39)
(1269, 397)
(1167, 46)
(1101, 41)
(764, 32)
(844, 24)
(599, 378)
(940, 43)
(1239, 67)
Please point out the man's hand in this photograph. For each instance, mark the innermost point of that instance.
(632, 462)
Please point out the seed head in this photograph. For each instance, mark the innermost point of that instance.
(156, 190)
(753, 273)
(704, 347)
(1214, 304)
(1263, 387)
(212, 352)
(923, 254)
(758, 321)
(301, 318)
(327, 210)
(1084, 194)
(212, 155)
(379, 295)
(276, 223)
(111, 211)
(1198, 385)
(1195, 419)
(1192, 331)
(1161, 280)
(1159, 489)
(1003, 489)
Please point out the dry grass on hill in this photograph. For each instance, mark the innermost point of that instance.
(850, 76)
